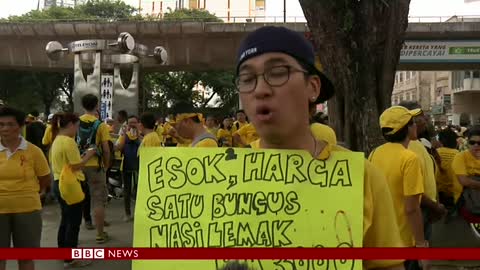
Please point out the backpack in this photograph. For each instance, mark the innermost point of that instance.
(130, 154)
(87, 136)
(471, 198)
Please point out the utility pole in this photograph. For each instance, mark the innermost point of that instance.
(284, 11)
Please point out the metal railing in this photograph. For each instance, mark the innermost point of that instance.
(231, 19)
(443, 19)
(249, 19)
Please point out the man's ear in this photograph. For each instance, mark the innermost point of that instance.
(314, 85)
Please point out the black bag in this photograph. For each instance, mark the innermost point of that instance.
(471, 198)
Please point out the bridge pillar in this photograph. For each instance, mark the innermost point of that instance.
(86, 85)
(126, 98)
(105, 56)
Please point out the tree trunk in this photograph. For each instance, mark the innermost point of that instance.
(358, 43)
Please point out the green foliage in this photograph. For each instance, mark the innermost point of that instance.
(107, 9)
(30, 90)
(92, 10)
(191, 15)
(167, 88)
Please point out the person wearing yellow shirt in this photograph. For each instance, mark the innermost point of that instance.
(466, 166)
(64, 152)
(403, 171)
(245, 135)
(211, 125)
(189, 125)
(275, 89)
(94, 170)
(168, 140)
(24, 175)
(128, 144)
(146, 128)
(224, 133)
(449, 189)
(241, 120)
(431, 209)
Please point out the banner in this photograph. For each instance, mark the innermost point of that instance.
(106, 100)
(440, 51)
(194, 198)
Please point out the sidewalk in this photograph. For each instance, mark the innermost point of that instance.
(121, 235)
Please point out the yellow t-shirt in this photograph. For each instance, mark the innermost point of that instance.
(166, 128)
(212, 131)
(65, 151)
(446, 179)
(404, 178)
(240, 125)
(160, 131)
(150, 140)
(248, 133)
(47, 136)
(225, 135)
(19, 186)
(380, 228)
(428, 168)
(464, 163)
(103, 135)
(323, 132)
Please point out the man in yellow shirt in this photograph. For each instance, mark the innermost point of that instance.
(276, 81)
(241, 120)
(403, 171)
(449, 189)
(146, 127)
(189, 125)
(94, 170)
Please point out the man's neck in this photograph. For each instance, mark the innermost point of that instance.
(11, 143)
(406, 142)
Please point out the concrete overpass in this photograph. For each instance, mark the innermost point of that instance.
(191, 45)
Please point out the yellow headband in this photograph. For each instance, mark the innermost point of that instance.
(183, 116)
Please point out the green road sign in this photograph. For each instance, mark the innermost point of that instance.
(464, 50)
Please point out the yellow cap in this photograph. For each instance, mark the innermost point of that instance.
(396, 117)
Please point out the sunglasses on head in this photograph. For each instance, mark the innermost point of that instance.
(473, 142)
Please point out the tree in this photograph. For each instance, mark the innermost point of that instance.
(194, 15)
(167, 88)
(359, 45)
(107, 9)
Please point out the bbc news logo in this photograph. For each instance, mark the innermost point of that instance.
(88, 253)
(105, 253)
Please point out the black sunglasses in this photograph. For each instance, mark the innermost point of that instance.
(472, 142)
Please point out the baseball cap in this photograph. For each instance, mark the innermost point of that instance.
(269, 39)
(396, 117)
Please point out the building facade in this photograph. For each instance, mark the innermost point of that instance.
(62, 3)
(449, 97)
(228, 10)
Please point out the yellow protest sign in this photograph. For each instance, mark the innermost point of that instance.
(217, 197)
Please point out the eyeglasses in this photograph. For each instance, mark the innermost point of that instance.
(472, 142)
(275, 77)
